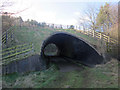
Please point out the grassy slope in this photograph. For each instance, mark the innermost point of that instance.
(38, 35)
(101, 76)
(104, 76)
(27, 35)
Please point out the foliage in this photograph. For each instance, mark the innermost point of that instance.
(104, 20)
(7, 22)
(71, 27)
(107, 20)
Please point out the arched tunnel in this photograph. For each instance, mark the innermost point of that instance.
(69, 47)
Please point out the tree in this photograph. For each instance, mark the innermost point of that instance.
(88, 20)
(107, 19)
(4, 4)
(61, 27)
(71, 27)
(103, 19)
(20, 20)
(43, 24)
(113, 31)
(7, 22)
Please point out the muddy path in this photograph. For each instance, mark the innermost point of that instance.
(65, 65)
(68, 66)
(80, 75)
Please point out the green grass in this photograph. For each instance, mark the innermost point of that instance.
(11, 77)
(103, 76)
(89, 39)
(38, 35)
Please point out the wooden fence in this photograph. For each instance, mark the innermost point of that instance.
(99, 35)
(16, 53)
(110, 43)
(8, 35)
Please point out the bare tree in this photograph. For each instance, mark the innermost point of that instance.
(4, 4)
(5, 17)
(83, 24)
(88, 20)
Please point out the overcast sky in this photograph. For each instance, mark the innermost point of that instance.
(65, 12)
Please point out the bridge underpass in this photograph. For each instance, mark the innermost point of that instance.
(70, 48)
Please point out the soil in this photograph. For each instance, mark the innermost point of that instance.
(66, 66)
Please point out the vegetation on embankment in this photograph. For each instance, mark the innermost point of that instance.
(38, 35)
(28, 35)
(102, 76)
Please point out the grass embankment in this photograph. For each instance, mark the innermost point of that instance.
(103, 76)
(28, 35)
(38, 35)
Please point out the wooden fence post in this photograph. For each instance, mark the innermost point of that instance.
(6, 37)
(12, 35)
(88, 32)
(108, 44)
(16, 58)
(93, 33)
(100, 36)
(108, 39)
(16, 52)
(32, 48)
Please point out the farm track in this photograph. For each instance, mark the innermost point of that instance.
(68, 66)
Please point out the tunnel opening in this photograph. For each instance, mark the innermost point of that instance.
(69, 47)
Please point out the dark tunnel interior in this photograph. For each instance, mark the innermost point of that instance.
(70, 47)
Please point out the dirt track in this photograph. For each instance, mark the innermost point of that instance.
(66, 66)
(33, 63)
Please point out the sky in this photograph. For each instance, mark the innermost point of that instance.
(66, 12)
